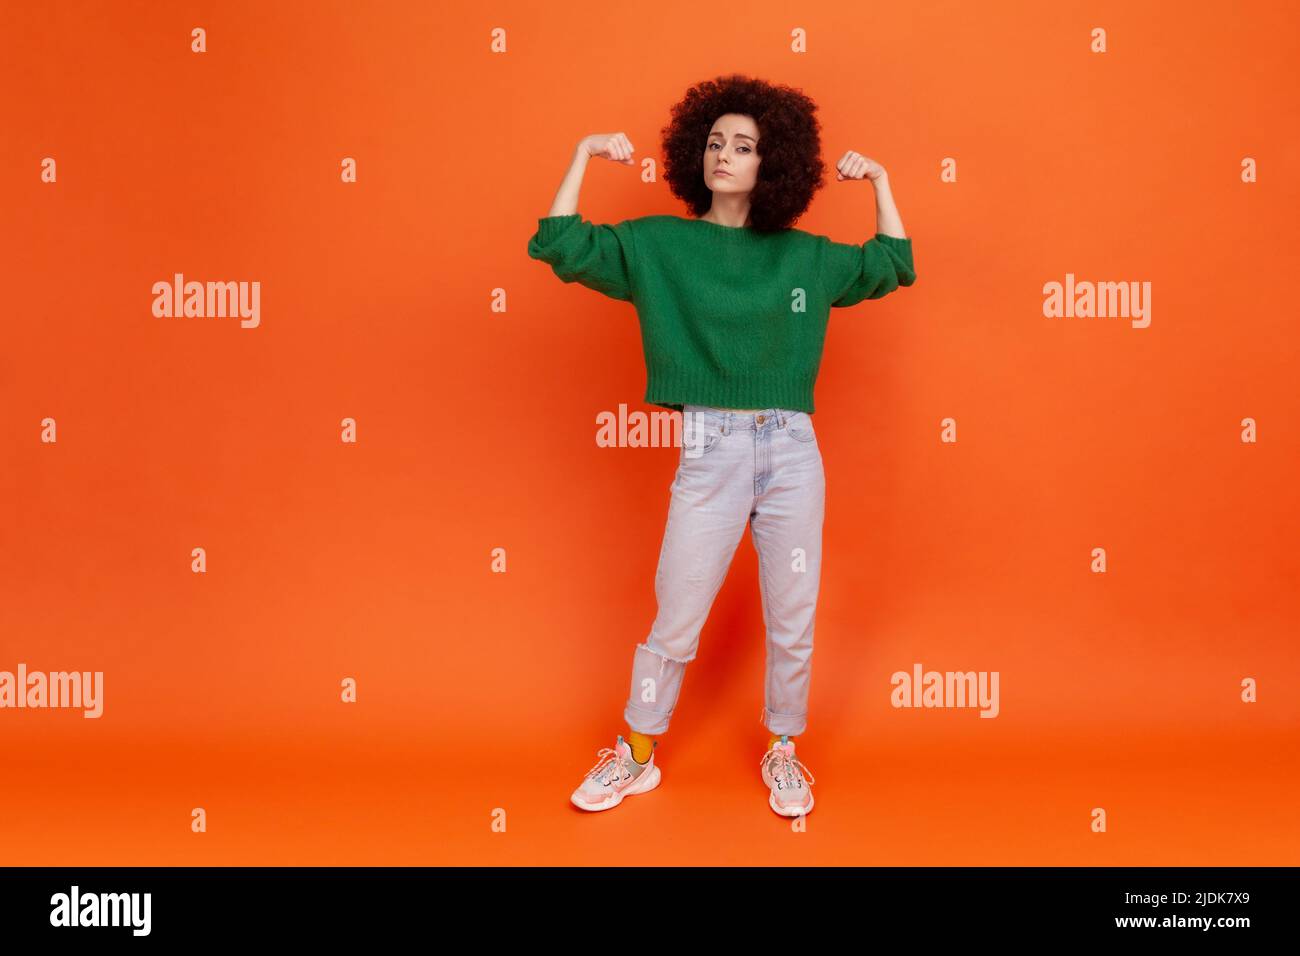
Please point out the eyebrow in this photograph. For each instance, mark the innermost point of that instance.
(738, 136)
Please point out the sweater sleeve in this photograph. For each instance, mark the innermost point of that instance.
(599, 256)
(872, 270)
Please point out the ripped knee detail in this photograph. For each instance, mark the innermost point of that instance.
(663, 658)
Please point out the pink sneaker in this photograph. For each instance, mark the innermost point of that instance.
(615, 776)
(791, 794)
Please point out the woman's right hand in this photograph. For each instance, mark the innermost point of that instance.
(611, 146)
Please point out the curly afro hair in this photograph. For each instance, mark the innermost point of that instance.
(789, 142)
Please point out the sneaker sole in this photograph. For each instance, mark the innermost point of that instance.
(790, 811)
(643, 784)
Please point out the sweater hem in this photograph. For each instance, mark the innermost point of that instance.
(677, 392)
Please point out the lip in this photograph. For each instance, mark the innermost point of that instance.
(721, 172)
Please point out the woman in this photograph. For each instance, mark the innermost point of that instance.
(733, 306)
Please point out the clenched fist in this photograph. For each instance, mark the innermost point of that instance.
(612, 146)
(853, 165)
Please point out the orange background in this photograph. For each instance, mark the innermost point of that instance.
(476, 431)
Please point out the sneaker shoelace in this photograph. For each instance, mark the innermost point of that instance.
(611, 764)
(786, 766)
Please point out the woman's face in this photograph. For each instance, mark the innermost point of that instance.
(731, 154)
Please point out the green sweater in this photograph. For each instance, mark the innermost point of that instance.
(729, 317)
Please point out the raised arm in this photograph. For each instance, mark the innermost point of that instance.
(887, 219)
(611, 146)
(600, 257)
(880, 265)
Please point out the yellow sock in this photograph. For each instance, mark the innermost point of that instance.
(641, 744)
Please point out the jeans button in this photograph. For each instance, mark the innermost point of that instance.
(760, 419)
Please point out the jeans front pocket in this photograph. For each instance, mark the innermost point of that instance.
(799, 427)
(703, 440)
(701, 433)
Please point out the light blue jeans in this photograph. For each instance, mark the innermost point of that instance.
(763, 469)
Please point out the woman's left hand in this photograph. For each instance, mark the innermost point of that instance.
(854, 165)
